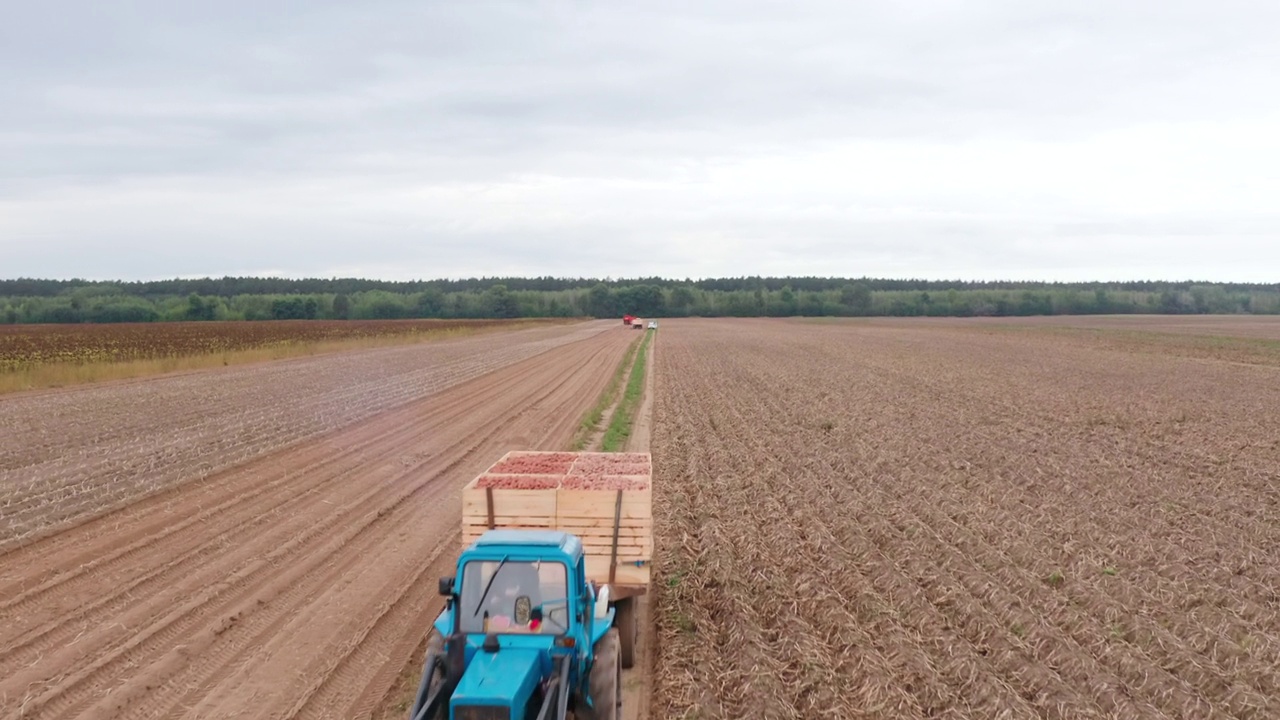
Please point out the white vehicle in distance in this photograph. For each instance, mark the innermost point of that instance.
(653, 324)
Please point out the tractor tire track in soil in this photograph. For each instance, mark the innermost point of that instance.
(294, 585)
(907, 519)
(73, 454)
(637, 683)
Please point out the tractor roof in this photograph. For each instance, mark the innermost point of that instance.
(532, 538)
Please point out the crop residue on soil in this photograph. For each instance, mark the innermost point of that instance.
(910, 520)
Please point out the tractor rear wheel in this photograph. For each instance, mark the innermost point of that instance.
(625, 621)
(606, 681)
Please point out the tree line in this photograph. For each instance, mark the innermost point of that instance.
(99, 302)
(229, 287)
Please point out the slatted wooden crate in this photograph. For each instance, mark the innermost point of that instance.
(572, 492)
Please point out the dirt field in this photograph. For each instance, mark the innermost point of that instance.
(277, 530)
(74, 452)
(25, 345)
(1236, 326)
(35, 357)
(967, 519)
(889, 518)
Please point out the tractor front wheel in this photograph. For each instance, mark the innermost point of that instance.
(432, 678)
(606, 681)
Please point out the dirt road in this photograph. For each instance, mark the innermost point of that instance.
(637, 683)
(295, 584)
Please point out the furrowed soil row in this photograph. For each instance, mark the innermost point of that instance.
(322, 602)
(968, 611)
(958, 523)
(990, 649)
(61, 467)
(89, 343)
(241, 513)
(788, 634)
(245, 515)
(1224, 656)
(320, 472)
(1175, 645)
(246, 495)
(252, 572)
(1188, 668)
(980, 562)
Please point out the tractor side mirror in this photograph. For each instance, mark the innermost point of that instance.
(446, 586)
(602, 602)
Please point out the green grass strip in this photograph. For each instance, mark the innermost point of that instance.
(625, 414)
(592, 418)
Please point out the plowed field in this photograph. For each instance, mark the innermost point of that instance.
(258, 542)
(30, 345)
(888, 519)
(964, 520)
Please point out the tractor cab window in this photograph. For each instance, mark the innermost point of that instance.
(514, 593)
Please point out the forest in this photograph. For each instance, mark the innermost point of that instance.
(249, 298)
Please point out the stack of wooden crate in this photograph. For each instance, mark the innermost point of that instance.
(591, 495)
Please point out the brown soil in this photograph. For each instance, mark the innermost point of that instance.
(637, 683)
(929, 519)
(75, 453)
(277, 530)
(1239, 326)
(638, 440)
(49, 356)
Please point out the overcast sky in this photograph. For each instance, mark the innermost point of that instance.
(976, 140)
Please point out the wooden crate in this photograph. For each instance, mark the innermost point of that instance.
(589, 514)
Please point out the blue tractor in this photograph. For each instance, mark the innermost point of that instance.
(525, 635)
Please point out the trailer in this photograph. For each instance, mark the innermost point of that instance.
(604, 498)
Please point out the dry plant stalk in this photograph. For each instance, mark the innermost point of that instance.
(966, 520)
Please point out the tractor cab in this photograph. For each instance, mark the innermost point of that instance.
(518, 630)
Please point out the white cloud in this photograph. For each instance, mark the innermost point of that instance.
(941, 139)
